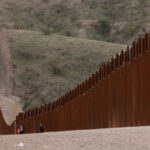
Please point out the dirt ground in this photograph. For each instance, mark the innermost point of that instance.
(134, 138)
(9, 104)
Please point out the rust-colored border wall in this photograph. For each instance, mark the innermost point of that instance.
(117, 95)
(4, 128)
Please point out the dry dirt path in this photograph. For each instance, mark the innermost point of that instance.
(9, 104)
(135, 138)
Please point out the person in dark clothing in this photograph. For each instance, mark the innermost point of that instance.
(42, 128)
(21, 129)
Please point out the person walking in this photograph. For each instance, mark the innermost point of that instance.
(42, 128)
(21, 129)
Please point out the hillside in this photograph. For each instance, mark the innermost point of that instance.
(47, 66)
(108, 20)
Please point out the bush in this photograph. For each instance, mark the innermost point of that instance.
(68, 33)
(46, 31)
(40, 16)
(105, 26)
(19, 25)
(43, 99)
(24, 54)
(93, 5)
(54, 67)
(131, 30)
(56, 70)
(27, 103)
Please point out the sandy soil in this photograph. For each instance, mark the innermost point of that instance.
(137, 138)
(10, 107)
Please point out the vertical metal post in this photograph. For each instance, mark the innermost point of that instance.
(15, 127)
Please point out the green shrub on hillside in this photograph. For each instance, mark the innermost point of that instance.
(93, 5)
(132, 29)
(40, 16)
(26, 104)
(68, 33)
(25, 54)
(105, 26)
(47, 30)
(29, 77)
(43, 99)
(54, 66)
(56, 70)
(19, 25)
